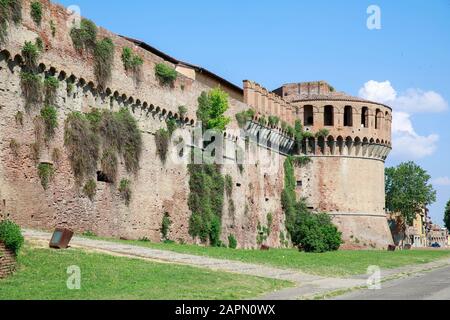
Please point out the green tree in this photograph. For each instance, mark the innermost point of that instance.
(408, 190)
(211, 109)
(447, 215)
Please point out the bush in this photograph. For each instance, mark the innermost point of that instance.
(109, 164)
(162, 139)
(45, 172)
(165, 226)
(85, 37)
(53, 28)
(322, 133)
(131, 61)
(51, 85)
(11, 236)
(243, 117)
(30, 54)
(262, 121)
(232, 242)
(31, 85)
(166, 75)
(125, 190)
(229, 185)
(49, 115)
(206, 186)
(104, 59)
(82, 145)
(212, 106)
(36, 12)
(182, 110)
(274, 121)
(90, 189)
(10, 11)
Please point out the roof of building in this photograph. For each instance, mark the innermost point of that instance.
(175, 61)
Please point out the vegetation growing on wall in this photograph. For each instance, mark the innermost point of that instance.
(243, 117)
(30, 54)
(104, 59)
(36, 12)
(45, 171)
(11, 236)
(31, 85)
(182, 110)
(10, 11)
(165, 74)
(14, 146)
(310, 232)
(165, 226)
(90, 189)
(109, 164)
(274, 121)
(212, 106)
(322, 133)
(131, 61)
(53, 28)
(49, 116)
(232, 242)
(84, 38)
(19, 118)
(125, 190)
(206, 186)
(162, 140)
(51, 85)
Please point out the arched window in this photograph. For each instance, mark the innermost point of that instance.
(378, 119)
(308, 115)
(348, 116)
(365, 117)
(328, 116)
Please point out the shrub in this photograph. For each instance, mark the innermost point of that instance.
(49, 115)
(284, 125)
(51, 85)
(308, 135)
(82, 145)
(125, 190)
(290, 131)
(269, 222)
(30, 54)
(109, 164)
(162, 139)
(211, 109)
(70, 88)
(131, 61)
(90, 189)
(165, 74)
(104, 59)
(262, 234)
(262, 121)
(300, 161)
(84, 38)
(39, 44)
(45, 171)
(232, 242)
(171, 125)
(11, 236)
(182, 110)
(10, 11)
(243, 117)
(31, 85)
(274, 121)
(165, 226)
(36, 12)
(206, 186)
(322, 133)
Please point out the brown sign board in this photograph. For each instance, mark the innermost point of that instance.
(61, 238)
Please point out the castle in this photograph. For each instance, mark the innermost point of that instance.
(344, 179)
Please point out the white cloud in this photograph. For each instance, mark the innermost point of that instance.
(442, 181)
(407, 143)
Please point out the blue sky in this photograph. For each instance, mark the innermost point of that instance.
(275, 42)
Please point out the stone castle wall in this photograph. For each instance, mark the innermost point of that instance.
(337, 174)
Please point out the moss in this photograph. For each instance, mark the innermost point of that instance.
(36, 12)
(125, 191)
(103, 60)
(45, 172)
(90, 189)
(84, 38)
(166, 75)
(49, 115)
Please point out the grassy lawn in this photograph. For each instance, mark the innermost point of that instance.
(339, 263)
(42, 275)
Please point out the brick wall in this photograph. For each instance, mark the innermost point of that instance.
(7, 261)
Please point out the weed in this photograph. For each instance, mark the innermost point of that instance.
(90, 189)
(45, 171)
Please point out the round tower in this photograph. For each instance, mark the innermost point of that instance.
(346, 175)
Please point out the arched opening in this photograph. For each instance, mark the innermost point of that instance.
(340, 145)
(328, 116)
(308, 115)
(348, 116)
(364, 117)
(331, 145)
(379, 119)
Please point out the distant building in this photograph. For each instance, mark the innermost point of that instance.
(437, 235)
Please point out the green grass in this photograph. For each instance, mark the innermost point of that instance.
(42, 275)
(337, 263)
